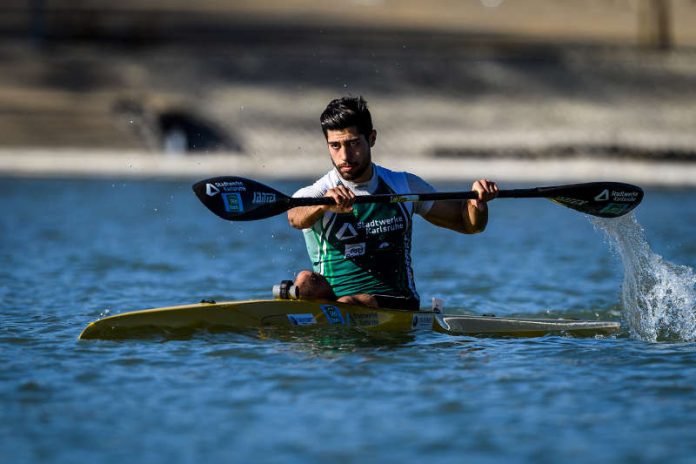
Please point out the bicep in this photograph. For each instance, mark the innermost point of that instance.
(446, 213)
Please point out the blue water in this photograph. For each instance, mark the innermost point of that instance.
(74, 250)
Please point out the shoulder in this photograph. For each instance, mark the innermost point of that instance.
(395, 179)
(403, 181)
(406, 182)
(319, 188)
(418, 184)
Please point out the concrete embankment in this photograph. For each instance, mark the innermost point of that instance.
(80, 164)
(447, 103)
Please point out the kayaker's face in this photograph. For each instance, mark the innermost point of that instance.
(351, 153)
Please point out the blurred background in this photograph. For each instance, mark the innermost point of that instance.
(524, 90)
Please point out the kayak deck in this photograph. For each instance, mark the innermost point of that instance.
(260, 314)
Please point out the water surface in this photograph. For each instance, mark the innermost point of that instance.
(75, 250)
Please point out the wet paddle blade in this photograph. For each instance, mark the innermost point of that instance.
(602, 199)
(239, 199)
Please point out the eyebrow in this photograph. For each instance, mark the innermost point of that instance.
(352, 139)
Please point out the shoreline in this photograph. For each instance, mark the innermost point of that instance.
(42, 163)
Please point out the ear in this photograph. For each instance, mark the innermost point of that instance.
(372, 138)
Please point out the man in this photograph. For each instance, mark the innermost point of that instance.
(361, 253)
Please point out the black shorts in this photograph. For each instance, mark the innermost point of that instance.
(398, 302)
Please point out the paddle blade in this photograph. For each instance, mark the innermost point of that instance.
(602, 199)
(240, 199)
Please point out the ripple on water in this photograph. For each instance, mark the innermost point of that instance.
(221, 397)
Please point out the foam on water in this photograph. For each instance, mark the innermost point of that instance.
(658, 297)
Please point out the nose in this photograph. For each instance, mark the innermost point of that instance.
(347, 151)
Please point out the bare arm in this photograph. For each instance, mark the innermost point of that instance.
(304, 217)
(468, 216)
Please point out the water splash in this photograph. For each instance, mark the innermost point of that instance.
(658, 297)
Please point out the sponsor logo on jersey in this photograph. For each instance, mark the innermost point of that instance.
(383, 226)
(346, 232)
(354, 250)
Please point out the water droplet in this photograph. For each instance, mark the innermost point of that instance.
(658, 297)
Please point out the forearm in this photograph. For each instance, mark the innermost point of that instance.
(475, 216)
(304, 217)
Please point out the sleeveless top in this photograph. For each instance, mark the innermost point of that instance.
(368, 250)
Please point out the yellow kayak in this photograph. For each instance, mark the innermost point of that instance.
(261, 314)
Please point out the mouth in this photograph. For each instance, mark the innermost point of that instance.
(350, 171)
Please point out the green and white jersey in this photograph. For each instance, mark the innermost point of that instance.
(368, 250)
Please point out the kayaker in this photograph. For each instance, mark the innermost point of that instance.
(361, 253)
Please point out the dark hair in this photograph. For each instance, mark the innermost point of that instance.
(346, 112)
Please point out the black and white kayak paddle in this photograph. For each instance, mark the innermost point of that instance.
(239, 199)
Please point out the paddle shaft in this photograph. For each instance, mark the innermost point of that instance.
(434, 196)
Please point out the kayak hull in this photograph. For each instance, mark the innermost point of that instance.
(261, 314)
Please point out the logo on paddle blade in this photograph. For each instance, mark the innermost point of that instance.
(604, 196)
(211, 190)
(233, 202)
(262, 198)
(619, 195)
(570, 201)
(615, 209)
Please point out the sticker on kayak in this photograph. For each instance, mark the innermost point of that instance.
(422, 321)
(363, 319)
(233, 202)
(333, 314)
(302, 319)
